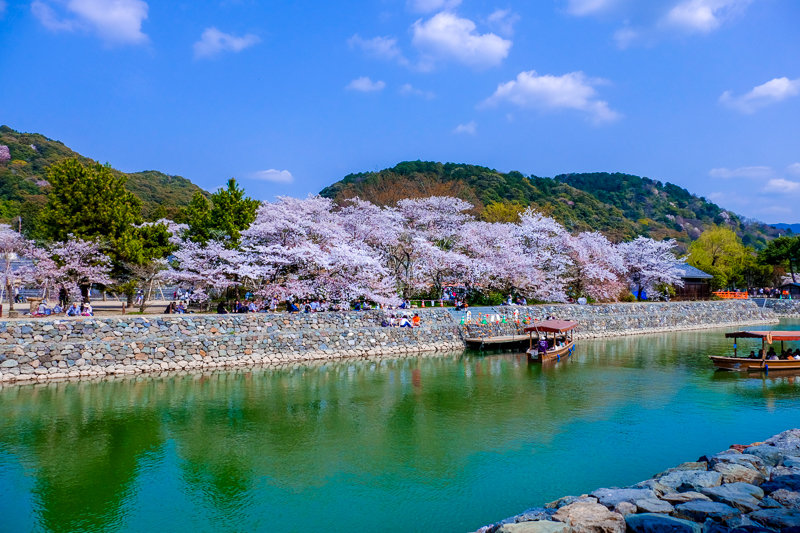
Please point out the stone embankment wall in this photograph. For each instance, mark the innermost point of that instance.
(72, 347)
(783, 308)
(44, 349)
(745, 488)
(629, 319)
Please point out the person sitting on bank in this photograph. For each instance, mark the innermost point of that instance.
(221, 309)
(404, 323)
(87, 310)
(73, 310)
(291, 307)
(416, 321)
(385, 323)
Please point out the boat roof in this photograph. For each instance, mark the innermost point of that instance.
(774, 335)
(552, 326)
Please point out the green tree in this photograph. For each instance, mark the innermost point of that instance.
(90, 202)
(505, 211)
(228, 213)
(720, 252)
(782, 251)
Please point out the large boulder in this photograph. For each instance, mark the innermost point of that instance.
(588, 517)
(787, 498)
(659, 523)
(769, 454)
(694, 465)
(790, 483)
(788, 441)
(743, 496)
(611, 497)
(742, 459)
(699, 511)
(735, 473)
(541, 526)
(683, 497)
(654, 505)
(625, 508)
(693, 480)
(534, 513)
(777, 518)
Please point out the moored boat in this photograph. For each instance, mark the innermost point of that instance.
(766, 359)
(550, 340)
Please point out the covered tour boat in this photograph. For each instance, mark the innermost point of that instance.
(550, 340)
(765, 359)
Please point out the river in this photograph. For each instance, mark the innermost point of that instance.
(438, 443)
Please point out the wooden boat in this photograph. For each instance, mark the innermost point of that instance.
(760, 363)
(553, 340)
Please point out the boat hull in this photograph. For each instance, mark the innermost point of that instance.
(741, 364)
(551, 355)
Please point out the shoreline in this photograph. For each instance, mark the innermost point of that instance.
(753, 487)
(66, 348)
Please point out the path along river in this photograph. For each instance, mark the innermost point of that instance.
(440, 443)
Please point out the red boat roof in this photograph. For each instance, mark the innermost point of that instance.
(553, 326)
(769, 335)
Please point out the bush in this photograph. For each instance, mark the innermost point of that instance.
(627, 297)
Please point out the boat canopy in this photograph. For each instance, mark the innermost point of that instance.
(556, 326)
(768, 335)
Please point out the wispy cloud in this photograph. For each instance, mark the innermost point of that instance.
(448, 37)
(213, 42)
(703, 15)
(273, 175)
(365, 85)
(781, 185)
(752, 172)
(774, 91)
(502, 21)
(409, 90)
(115, 22)
(794, 168)
(470, 128)
(553, 93)
(380, 47)
(581, 8)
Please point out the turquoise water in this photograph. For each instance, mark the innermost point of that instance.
(435, 443)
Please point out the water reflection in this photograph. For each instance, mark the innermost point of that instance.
(448, 442)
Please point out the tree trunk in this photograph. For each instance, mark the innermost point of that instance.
(10, 292)
(791, 270)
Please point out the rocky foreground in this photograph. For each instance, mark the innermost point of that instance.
(754, 488)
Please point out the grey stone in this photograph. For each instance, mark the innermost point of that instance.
(691, 480)
(613, 496)
(776, 518)
(743, 496)
(790, 483)
(698, 510)
(625, 508)
(654, 505)
(733, 473)
(788, 440)
(683, 497)
(542, 526)
(742, 459)
(9, 363)
(659, 523)
(787, 498)
(535, 513)
(769, 454)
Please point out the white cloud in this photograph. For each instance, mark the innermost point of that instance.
(794, 168)
(547, 92)
(771, 92)
(409, 90)
(581, 8)
(213, 42)
(115, 21)
(446, 36)
(470, 128)
(625, 36)
(365, 85)
(273, 175)
(502, 21)
(781, 185)
(428, 6)
(703, 15)
(753, 172)
(380, 47)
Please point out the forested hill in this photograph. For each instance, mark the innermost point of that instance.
(23, 183)
(620, 205)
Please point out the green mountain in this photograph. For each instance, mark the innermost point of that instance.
(621, 206)
(23, 182)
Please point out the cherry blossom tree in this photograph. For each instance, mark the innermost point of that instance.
(12, 248)
(76, 264)
(207, 269)
(650, 263)
(597, 267)
(544, 243)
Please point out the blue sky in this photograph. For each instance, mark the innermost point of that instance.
(289, 97)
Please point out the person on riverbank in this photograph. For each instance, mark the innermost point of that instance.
(221, 310)
(416, 321)
(405, 323)
(73, 310)
(63, 297)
